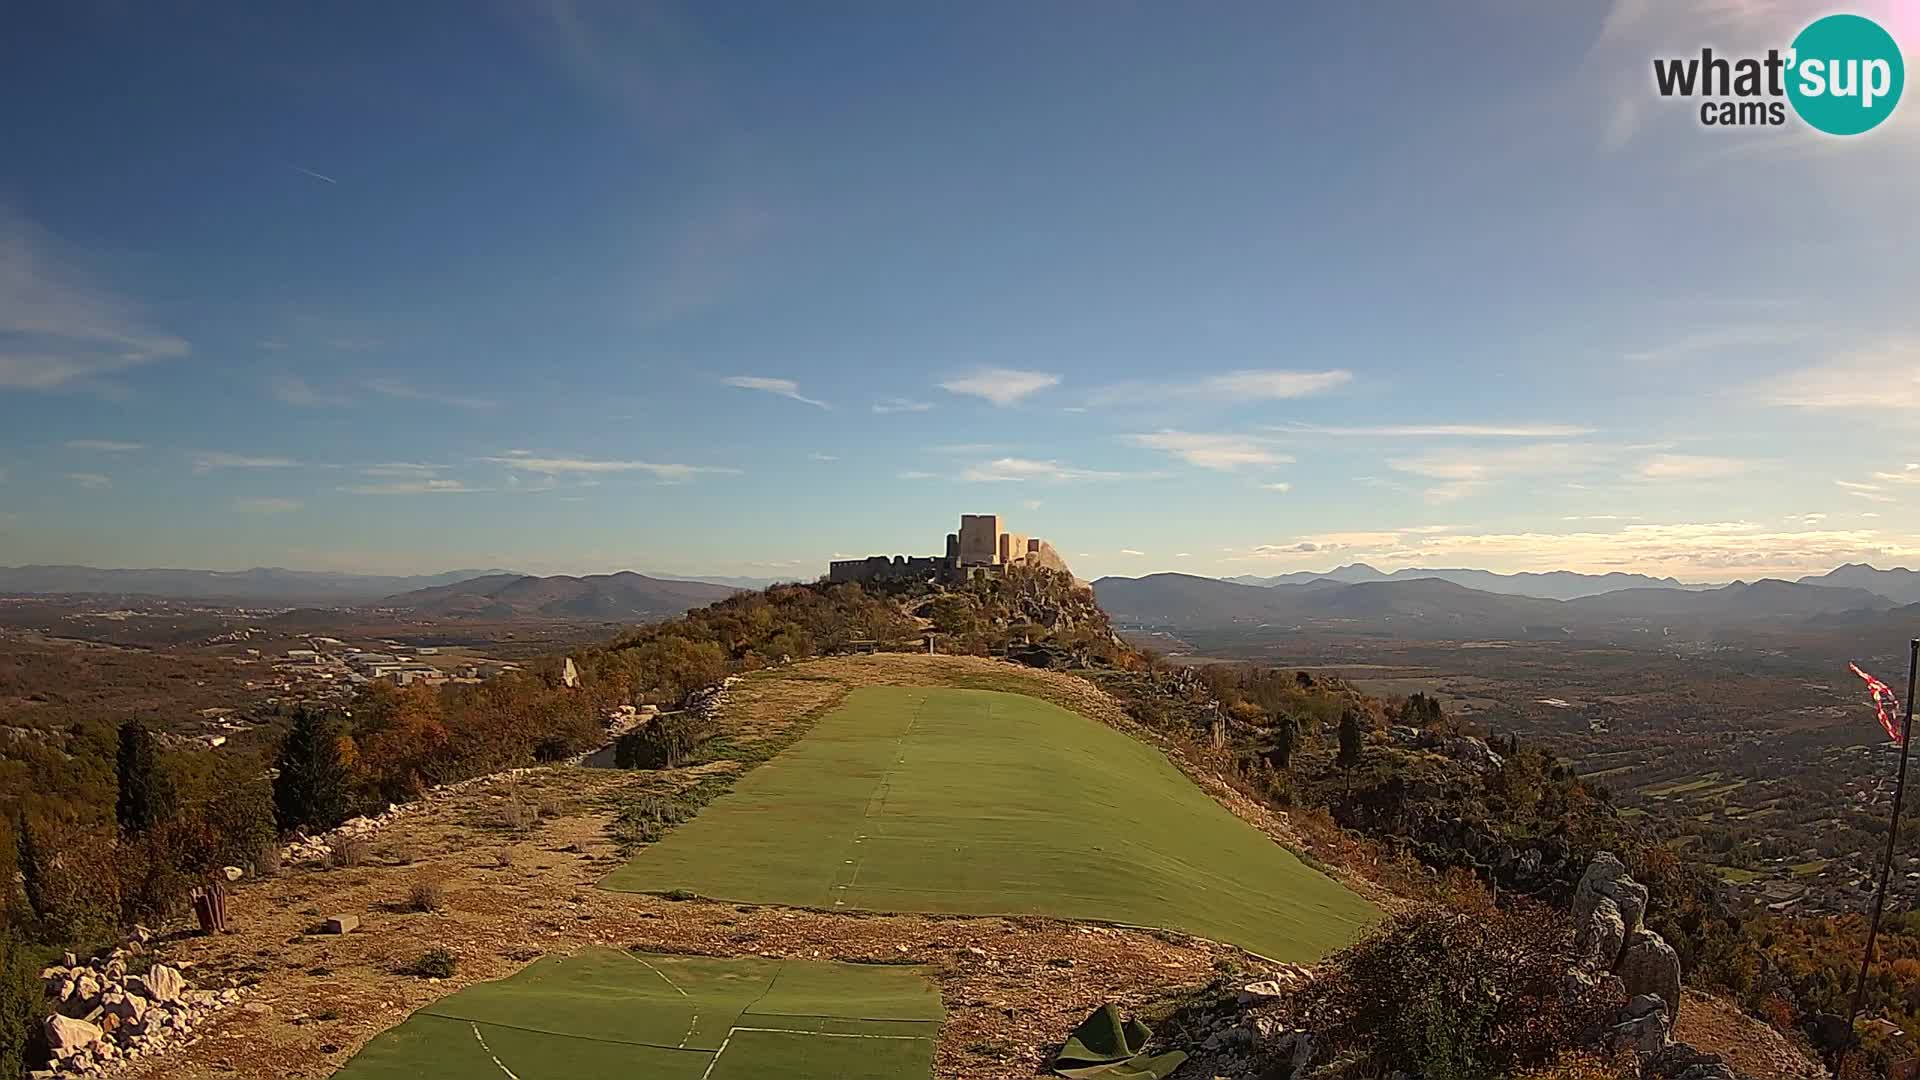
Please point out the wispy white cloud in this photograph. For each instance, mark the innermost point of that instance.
(1131, 551)
(915, 474)
(1690, 467)
(421, 486)
(1699, 344)
(252, 505)
(90, 479)
(887, 406)
(315, 175)
(59, 330)
(785, 388)
(295, 390)
(1231, 386)
(205, 461)
(1002, 386)
(1270, 385)
(1224, 452)
(671, 472)
(1473, 431)
(1469, 470)
(405, 391)
(1280, 486)
(1871, 379)
(824, 457)
(1016, 468)
(400, 468)
(105, 446)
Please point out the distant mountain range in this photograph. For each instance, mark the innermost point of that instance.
(270, 585)
(1434, 607)
(1898, 584)
(625, 595)
(1555, 585)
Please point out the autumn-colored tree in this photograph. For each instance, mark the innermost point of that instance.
(402, 736)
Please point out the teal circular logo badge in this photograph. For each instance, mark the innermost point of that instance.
(1846, 74)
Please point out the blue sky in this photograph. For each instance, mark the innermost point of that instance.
(735, 288)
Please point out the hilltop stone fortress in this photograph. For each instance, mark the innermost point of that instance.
(982, 546)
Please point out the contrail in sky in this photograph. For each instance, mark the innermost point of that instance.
(315, 175)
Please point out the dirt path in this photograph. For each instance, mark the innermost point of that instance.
(1012, 987)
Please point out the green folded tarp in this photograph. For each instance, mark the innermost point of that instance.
(1106, 1047)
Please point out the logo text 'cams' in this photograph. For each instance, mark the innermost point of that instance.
(1842, 75)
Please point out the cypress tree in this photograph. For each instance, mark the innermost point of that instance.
(311, 788)
(1283, 739)
(1351, 739)
(145, 797)
(33, 869)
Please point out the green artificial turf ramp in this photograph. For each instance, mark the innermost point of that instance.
(606, 1013)
(985, 803)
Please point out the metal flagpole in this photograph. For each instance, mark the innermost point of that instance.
(1886, 868)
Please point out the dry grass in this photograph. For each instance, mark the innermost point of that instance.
(349, 851)
(427, 893)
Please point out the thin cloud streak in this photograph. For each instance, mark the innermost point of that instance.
(1004, 387)
(406, 391)
(1441, 431)
(552, 466)
(1221, 452)
(205, 461)
(785, 388)
(60, 331)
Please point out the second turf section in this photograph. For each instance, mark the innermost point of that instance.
(987, 803)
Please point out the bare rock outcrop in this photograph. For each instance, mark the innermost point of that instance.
(1611, 938)
(1649, 966)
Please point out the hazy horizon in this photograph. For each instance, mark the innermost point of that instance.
(735, 291)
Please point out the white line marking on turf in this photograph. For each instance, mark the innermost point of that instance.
(663, 975)
(797, 1031)
(481, 1039)
(716, 1055)
(689, 1035)
(827, 1034)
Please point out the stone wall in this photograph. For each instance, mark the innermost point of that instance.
(879, 569)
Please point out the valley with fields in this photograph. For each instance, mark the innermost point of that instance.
(807, 848)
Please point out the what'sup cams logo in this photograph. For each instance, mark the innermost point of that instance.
(1843, 75)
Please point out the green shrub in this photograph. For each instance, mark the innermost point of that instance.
(664, 743)
(435, 963)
